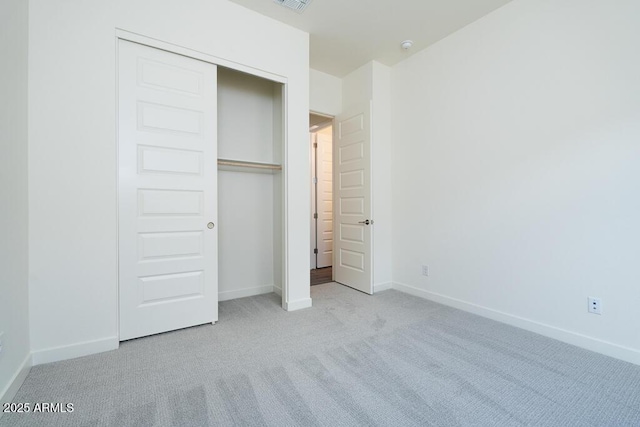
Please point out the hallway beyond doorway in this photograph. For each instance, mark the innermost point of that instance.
(321, 275)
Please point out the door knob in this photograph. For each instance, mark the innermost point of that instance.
(365, 222)
(210, 225)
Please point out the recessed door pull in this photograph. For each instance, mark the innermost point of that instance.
(210, 225)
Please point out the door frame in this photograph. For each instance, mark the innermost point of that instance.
(121, 34)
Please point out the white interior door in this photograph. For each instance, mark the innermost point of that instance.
(325, 196)
(168, 259)
(353, 229)
(313, 137)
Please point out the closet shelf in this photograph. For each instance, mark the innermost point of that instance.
(243, 166)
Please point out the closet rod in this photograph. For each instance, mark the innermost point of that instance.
(244, 164)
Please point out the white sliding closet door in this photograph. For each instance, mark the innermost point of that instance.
(168, 256)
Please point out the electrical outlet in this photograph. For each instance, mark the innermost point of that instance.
(595, 305)
(425, 270)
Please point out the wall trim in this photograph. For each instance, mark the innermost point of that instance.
(180, 50)
(589, 343)
(379, 287)
(65, 352)
(298, 304)
(245, 292)
(277, 290)
(16, 381)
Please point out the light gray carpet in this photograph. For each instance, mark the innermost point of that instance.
(352, 359)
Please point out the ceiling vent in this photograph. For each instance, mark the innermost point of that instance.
(297, 5)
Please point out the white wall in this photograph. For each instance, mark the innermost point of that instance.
(381, 174)
(245, 200)
(357, 86)
(14, 310)
(516, 178)
(72, 163)
(372, 82)
(325, 93)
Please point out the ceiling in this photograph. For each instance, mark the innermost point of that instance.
(345, 34)
(318, 121)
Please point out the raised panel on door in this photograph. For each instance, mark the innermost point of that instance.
(156, 160)
(167, 191)
(353, 222)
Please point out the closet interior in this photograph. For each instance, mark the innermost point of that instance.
(250, 185)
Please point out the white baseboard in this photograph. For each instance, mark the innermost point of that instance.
(16, 381)
(277, 290)
(599, 346)
(246, 292)
(72, 351)
(298, 304)
(379, 287)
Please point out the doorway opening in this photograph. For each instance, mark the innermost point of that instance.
(321, 251)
